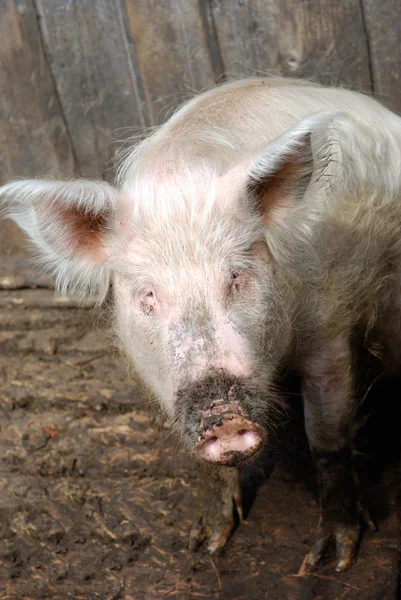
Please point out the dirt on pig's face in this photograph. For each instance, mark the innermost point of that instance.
(199, 315)
(225, 419)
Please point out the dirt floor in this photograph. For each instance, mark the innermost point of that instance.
(96, 502)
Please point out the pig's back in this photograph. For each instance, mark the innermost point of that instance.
(224, 124)
(248, 114)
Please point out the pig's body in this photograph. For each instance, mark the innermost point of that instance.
(259, 228)
(352, 281)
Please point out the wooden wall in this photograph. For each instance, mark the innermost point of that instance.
(78, 77)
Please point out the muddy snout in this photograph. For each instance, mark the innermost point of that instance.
(226, 435)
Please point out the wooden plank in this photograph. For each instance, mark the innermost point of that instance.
(246, 33)
(40, 299)
(171, 51)
(318, 39)
(17, 272)
(97, 84)
(33, 137)
(383, 27)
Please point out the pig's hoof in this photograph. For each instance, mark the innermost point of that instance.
(220, 508)
(345, 540)
(212, 535)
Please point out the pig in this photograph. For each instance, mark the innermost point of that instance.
(257, 230)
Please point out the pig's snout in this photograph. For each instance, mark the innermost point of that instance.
(226, 436)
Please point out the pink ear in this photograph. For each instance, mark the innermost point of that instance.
(74, 232)
(274, 182)
(70, 223)
(277, 178)
(277, 192)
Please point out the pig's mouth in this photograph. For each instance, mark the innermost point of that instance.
(218, 414)
(226, 435)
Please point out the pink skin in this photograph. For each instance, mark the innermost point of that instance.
(233, 351)
(230, 433)
(227, 431)
(230, 353)
(230, 350)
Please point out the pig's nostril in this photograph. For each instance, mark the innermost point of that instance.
(230, 439)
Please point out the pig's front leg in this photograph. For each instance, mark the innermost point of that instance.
(218, 499)
(329, 407)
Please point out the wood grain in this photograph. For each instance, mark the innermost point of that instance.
(98, 86)
(171, 50)
(33, 136)
(317, 39)
(17, 273)
(41, 298)
(383, 28)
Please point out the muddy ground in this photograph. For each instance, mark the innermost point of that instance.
(96, 501)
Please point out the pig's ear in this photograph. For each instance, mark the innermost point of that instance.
(279, 176)
(70, 224)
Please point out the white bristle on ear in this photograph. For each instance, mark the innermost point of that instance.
(54, 215)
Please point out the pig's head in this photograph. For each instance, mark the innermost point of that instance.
(200, 264)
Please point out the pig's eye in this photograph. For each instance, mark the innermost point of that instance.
(148, 302)
(235, 280)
